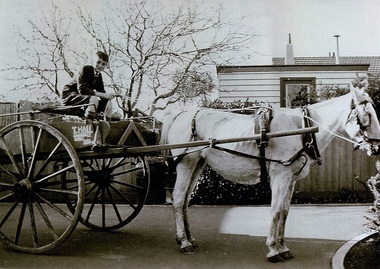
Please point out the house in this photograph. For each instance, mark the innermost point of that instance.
(280, 84)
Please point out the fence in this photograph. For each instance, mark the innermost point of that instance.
(341, 169)
(8, 108)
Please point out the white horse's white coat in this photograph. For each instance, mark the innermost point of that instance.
(334, 115)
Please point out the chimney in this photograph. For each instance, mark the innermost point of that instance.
(337, 49)
(289, 58)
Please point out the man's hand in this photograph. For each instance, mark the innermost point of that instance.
(105, 95)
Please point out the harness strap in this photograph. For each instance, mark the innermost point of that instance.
(262, 124)
(177, 158)
(309, 139)
(194, 126)
(287, 162)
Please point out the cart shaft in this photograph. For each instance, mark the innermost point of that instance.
(155, 148)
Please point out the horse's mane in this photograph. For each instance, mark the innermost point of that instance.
(332, 100)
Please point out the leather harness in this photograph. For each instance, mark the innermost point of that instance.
(262, 126)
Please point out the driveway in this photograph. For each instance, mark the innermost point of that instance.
(228, 237)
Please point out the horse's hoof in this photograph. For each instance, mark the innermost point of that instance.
(275, 258)
(194, 244)
(286, 255)
(189, 250)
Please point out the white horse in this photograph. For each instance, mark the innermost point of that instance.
(352, 114)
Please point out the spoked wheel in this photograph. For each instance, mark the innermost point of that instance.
(33, 215)
(116, 190)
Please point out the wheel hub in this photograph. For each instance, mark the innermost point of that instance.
(101, 177)
(23, 189)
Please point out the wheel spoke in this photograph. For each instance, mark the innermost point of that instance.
(11, 157)
(97, 164)
(128, 184)
(73, 187)
(20, 221)
(47, 221)
(92, 204)
(128, 171)
(85, 163)
(22, 149)
(59, 191)
(33, 224)
(109, 161)
(13, 176)
(10, 211)
(90, 190)
(10, 186)
(103, 208)
(121, 162)
(63, 170)
(114, 205)
(123, 196)
(34, 154)
(73, 182)
(6, 196)
(47, 160)
(6, 191)
(53, 206)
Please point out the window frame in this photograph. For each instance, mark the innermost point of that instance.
(284, 81)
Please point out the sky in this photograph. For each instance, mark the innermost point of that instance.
(311, 23)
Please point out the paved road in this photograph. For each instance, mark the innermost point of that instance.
(228, 237)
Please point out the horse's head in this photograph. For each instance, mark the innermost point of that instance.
(362, 124)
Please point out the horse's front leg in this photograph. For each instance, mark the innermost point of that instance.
(282, 190)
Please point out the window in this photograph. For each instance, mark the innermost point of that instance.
(296, 92)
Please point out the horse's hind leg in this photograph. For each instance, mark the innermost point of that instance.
(187, 172)
(194, 179)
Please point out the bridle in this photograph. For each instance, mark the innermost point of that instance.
(355, 114)
(363, 120)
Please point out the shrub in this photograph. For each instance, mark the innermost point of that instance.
(213, 189)
(374, 186)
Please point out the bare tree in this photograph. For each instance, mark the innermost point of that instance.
(42, 52)
(148, 47)
(156, 57)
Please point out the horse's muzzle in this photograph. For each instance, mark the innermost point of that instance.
(375, 150)
(370, 148)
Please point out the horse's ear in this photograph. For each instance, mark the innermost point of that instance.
(354, 92)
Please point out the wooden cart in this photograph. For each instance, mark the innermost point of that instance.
(54, 175)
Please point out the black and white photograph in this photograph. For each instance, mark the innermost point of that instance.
(173, 134)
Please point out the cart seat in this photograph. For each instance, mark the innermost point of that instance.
(63, 110)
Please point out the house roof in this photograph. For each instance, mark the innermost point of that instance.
(373, 61)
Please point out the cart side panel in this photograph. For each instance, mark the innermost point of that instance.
(118, 129)
(79, 134)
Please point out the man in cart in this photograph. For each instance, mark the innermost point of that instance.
(87, 88)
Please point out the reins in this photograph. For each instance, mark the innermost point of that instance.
(331, 132)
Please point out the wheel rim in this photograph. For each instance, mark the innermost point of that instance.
(33, 215)
(116, 190)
